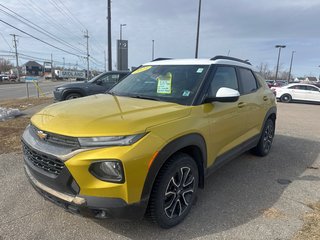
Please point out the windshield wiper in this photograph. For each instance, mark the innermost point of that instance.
(145, 97)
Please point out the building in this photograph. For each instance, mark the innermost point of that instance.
(32, 68)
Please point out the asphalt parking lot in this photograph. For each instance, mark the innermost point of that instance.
(249, 198)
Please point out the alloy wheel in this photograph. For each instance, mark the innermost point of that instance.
(179, 192)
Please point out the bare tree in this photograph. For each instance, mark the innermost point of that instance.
(5, 65)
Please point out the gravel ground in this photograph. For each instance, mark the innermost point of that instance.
(245, 199)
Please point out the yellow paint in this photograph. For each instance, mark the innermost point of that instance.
(222, 125)
(142, 69)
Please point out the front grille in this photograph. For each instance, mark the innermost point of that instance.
(42, 161)
(58, 139)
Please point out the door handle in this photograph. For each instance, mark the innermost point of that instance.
(265, 98)
(241, 105)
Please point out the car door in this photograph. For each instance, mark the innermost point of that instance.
(299, 92)
(313, 93)
(104, 83)
(252, 102)
(226, 118)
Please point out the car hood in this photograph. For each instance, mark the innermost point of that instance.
(106, 115)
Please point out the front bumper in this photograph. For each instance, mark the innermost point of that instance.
(57, 95)
(89, 206)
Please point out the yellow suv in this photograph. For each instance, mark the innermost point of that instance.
(148, 144)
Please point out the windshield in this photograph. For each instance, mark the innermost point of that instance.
(171, 83)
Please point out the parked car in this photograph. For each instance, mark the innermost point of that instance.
(4, 77)
(150, 143)
(98, 84)
(298, 92)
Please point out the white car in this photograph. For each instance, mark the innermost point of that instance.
(297, 92)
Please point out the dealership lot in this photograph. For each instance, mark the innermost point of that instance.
(249, 198)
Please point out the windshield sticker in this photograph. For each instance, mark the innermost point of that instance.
(199, 70)
(186, 93)
(142, 69)
(164, 84)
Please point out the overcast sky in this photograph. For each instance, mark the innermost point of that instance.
(247, 29)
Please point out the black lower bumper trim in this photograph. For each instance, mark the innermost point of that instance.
(98, 207)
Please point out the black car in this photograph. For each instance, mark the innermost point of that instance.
(98, 84)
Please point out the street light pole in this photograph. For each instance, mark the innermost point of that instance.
(278, 46)
(152, 49)
(198, 29)
(109, 37)
(289, 77)
(120, 47)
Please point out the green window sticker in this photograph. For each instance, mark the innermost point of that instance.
(186, 93)
(199, 70)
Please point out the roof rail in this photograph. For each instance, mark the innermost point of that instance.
(160, 59)
(231, 58)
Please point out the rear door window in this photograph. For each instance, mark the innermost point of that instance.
(248, 81)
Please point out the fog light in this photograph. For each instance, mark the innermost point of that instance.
(110, 171)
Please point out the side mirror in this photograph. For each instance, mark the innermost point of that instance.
(224, 95)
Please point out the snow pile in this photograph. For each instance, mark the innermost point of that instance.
(8, 113)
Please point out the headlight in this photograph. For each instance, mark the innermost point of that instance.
(58, 89)
(109, 141)
(109, 170)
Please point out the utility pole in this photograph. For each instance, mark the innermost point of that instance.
(105, 61)
(51, 68)
(109, 37)
(88, 55)
(198, 29)
(16, 53)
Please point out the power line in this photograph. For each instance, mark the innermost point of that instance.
(42, 30)
(45, 42)
(5, 41)
(72, 14)
(51, 21)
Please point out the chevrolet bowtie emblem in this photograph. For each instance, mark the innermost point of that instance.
(42, 135)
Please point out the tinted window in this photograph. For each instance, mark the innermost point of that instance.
(223, 77)
(248, 81)
(300, 87)
(310, 88)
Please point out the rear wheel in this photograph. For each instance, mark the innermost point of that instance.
(265, 142)
(286, 98)
(174, 191)
(72, 96)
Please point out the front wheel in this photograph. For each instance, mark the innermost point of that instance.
(266, 139)
(72, 96)
(174, 191)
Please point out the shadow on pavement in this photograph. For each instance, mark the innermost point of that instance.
(235, 194)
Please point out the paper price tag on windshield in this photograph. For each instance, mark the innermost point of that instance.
(164, 86)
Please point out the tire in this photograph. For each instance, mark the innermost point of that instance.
(286, 98)
(174, 191)
(72, 96)
(265, 142)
